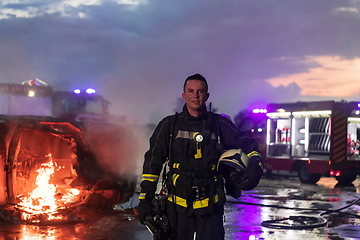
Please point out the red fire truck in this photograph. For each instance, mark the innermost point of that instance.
(314, 139)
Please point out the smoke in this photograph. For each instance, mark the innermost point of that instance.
(119, 146)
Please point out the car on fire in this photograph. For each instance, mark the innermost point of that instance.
(72, 158)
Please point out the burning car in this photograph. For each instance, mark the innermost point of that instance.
(49, 166)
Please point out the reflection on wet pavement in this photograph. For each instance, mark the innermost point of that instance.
(287, 198)
(274, 198)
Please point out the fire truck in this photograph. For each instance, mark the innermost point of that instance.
(314, 139)
(37, 98)
(68, 132)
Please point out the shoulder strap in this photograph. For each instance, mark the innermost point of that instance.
(172, 133)
(219, 144)
(173, 123)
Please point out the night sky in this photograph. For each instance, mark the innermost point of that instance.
(138, 53)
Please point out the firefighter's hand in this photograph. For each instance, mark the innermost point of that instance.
(252, 176)
(145, 209)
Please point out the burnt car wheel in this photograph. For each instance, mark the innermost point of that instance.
(307, 177)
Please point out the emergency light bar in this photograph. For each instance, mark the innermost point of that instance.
(259, 110)
(326, 113)
(88, 91)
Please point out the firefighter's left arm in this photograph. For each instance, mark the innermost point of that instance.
(155, 157)
(235, 138)
(154, 160)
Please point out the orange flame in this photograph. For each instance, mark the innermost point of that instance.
(46, 199)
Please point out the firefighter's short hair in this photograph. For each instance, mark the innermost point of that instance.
(196, 76)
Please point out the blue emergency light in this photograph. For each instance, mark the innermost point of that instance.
(88, 91)
(259, 110)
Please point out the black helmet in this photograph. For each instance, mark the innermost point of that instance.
(232, 165)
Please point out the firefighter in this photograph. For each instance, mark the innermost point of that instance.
(195, 201)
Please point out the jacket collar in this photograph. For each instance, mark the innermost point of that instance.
(203, 115)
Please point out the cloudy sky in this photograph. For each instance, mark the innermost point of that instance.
(137, 53)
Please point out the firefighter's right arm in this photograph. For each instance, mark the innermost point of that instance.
(155, 157)
(235, 138)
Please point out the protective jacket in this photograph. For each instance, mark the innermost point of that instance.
(194, 185)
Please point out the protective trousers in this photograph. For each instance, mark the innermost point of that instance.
(204, 227)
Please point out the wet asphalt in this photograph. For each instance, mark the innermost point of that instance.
(279, 196)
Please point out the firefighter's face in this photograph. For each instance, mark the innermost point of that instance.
(195, 96)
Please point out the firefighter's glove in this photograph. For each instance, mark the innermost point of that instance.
(145, 209)
(252, 176)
